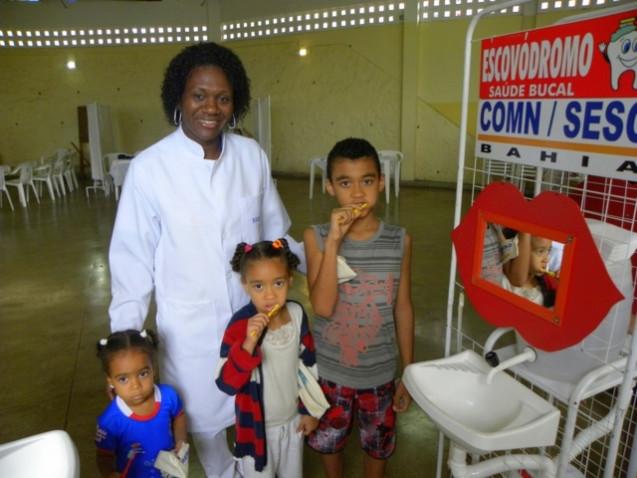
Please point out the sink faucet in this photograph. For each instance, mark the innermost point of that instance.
(528, 355)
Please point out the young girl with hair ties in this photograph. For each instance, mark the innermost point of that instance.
(260, 354)
(526, 275)
(143, 418)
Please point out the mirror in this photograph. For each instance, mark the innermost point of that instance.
(583, 291)
(523, 263)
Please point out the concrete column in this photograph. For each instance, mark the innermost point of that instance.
(409, 93)
(213, 8)
(529, 15)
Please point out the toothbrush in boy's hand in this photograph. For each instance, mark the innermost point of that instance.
(550, 273)
(356, 212)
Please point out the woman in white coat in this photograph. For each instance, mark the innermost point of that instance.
(186, 203)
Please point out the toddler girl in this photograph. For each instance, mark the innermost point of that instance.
(143, 418)
(534, 286)
(260, 354)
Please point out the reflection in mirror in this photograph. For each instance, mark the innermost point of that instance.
(523, 263)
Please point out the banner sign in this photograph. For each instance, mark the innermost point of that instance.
(562, 97)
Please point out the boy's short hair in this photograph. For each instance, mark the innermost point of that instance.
(351, 148)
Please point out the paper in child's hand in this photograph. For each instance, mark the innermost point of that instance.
(174, 465)
(344, 272)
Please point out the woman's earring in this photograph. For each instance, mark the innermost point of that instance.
(176, 117)
(234, 122)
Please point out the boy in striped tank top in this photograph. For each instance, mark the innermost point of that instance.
(360, 325)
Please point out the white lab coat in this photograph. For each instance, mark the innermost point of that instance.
(179, 220)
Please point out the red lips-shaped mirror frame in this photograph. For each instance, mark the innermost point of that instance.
(585, 292)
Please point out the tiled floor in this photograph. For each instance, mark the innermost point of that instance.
(54, 294)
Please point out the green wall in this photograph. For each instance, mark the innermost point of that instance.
(39, 96)
(348, 85)
(353, 82)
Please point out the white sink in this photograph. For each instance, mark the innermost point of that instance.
(51, 454)
(481, 418)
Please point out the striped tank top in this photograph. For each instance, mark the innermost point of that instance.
(357, 347)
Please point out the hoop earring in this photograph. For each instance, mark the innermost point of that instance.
(176, 117)
(234, 122)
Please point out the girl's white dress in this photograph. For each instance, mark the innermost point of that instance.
(280, 349)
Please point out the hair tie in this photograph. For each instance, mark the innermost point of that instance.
(103, 342)
(143, 334)
(247, 248)
(277, 244)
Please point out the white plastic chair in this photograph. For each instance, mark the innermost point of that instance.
(3, 187)
(68, 171)
(118, 170)
(22, 183)
(390, 161)
(51, 454)
(44, 174)
(321, 163)
(58, 175)
(70, 168)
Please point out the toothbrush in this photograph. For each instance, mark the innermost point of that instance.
(356, 211)
(274, 310)
(550, 273)
(271, 313)
(132, 454)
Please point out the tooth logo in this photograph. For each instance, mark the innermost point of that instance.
(621, 52)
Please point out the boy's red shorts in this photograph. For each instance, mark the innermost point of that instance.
(376, 419)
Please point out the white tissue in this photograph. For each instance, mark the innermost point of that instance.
(173, 465)
(343, 271)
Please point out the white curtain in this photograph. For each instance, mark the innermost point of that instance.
(100, 134)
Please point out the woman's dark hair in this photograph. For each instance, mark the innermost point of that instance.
(145, 341)
(205, 54)
(246, 253)
(351, 148)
